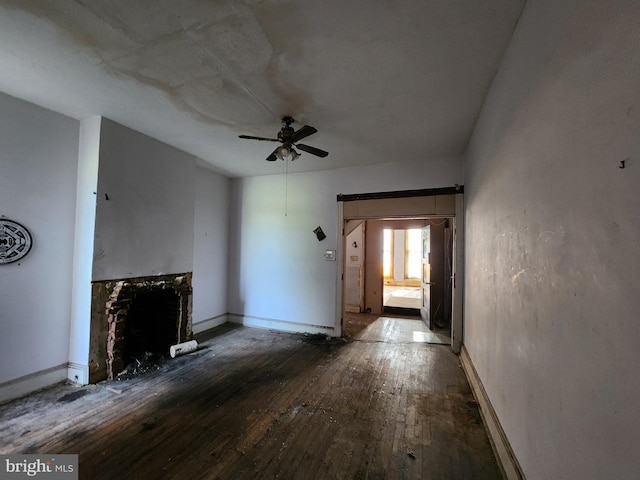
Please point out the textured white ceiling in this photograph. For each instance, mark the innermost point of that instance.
(382, 81)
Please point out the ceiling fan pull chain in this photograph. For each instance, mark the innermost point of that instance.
(286, 185)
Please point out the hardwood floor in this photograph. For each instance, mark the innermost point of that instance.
(259, 404)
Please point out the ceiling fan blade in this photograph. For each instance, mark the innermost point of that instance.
(272, 157)
(303, 133)
(312, 150)
(250, 137)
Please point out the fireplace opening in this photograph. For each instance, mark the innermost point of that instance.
(151, 326)
(136, 318)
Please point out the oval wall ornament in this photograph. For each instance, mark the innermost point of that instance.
(15, 241)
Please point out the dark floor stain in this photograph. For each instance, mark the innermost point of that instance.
(70, 397)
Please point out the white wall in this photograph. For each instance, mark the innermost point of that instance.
(210, 259)
(38, 162)
(553, 241)
(163, 215)
(277, 267)
(146, 227)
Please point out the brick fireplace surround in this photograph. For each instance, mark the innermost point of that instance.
(111, 303)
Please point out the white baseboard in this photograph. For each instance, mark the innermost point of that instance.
(499, 441)
(205, 325)
(78, 374)
(282, 325)
(22, 386)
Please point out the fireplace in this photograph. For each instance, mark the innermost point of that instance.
(135, 317)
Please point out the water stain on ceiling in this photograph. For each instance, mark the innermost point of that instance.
(401, 78)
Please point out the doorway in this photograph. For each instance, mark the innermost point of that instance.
(417, 269)
(415, 278)
(442, 212)
(401, 267)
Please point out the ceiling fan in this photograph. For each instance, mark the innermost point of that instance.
(289, 138)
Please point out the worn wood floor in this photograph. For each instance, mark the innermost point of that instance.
(259, 404)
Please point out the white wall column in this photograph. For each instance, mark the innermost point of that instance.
(88, 162)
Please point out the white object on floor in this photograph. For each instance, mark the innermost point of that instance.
(182, 348)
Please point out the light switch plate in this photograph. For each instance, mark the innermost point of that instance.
(330, 255)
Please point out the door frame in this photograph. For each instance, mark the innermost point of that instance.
(425, 283)
(377, 210)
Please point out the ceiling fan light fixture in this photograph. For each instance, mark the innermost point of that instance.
(285, 151)
(282, 152)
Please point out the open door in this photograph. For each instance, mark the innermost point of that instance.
(354, 266)
(425, 281)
